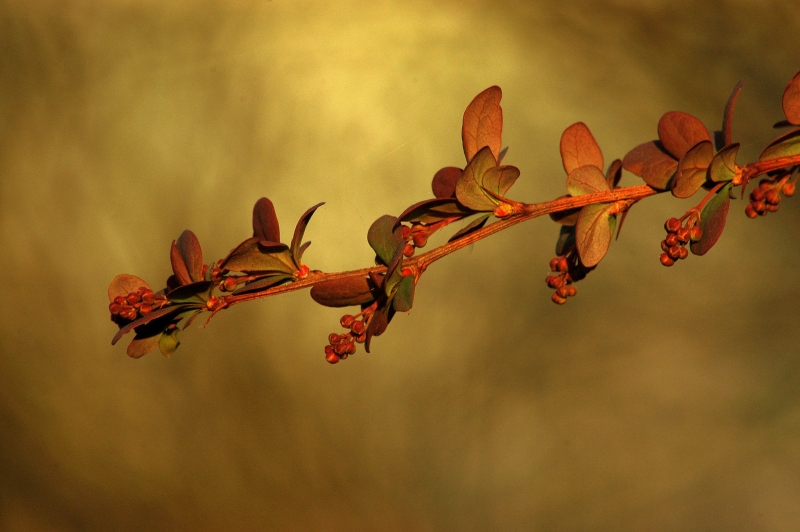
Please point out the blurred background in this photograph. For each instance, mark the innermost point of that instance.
(662, 399)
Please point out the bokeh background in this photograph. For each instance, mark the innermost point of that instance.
(661, 399)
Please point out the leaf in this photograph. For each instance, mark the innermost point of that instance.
(192, 254)
(791, 100)
(679, 131)
(786, 145)
(123, 284)
(578, 148)
(586, 180)
(251, 256)
(178, 266)
(378, 324)
(156, 314)
(299, 231)
(483, 123)
(265, 222)
(196, 292)
(568, 218)
(342, 292)
(434, 210)
(723, 165)
(614, 174)
(141, 345)
(692, 170)
(712, 220)
(262, 283)
(393, 272)
(593, 232)
(302, 250)
(727, 116)
(498, 179)
(469, 187)
(651, 163)
(476, 224)
(168, 343)
(384, 237)
(444, 182)
(566, 239)
(404, 295)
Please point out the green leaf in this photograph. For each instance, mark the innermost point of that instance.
(469, 187)
(586, 180)
(692, 170)
(593, 232)
(786, 145)
(712, 220)
(124, 284)
(476, 224)
(169, 343)
(723, 165)
(444, 182)
(650, 162)
(262, 283)
(198, 292)
(343, 292)
(679, 131)
(404, 295)
(265, 222)
(384, 237)
(299, 231)
(498, 179)
(566, 239)
(791, 100)
(251, 256)
(483, 123)
(434, 210)
(727, 116)
(579, 148)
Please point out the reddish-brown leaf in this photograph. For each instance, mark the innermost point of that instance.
(433, 210)
(712, 220)
(265, 221)
(469, 188)
(444, 182)
(498, 179)
(378, 324)
(614, 173)
(692, 170)
(476, 224)
(483, 123)
(251, 256)
(791, 100)
(262, 283)
(343, 292)
(723, 165)
(593, 232)
(680, 131)
(178, 266)
(578, 148)
(299, 231)
(124, 284)
(156, 314)
(586, 180)
(652, 164)
(727, 117)
(192, 254)
(141, 345)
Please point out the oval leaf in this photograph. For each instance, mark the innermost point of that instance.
(498, 179)
(483, 123)
(586, 180)
(593, 233)
(265, 221)
(156, 314)
(199, 292)
(433, 210)
(378, 324)
(404, 295)
(712, 220)
(343, 292)
(786, 145)
(141, 345)
(614, 173)
(791, 100)
(262, 283)
(178, 266)
(299, 231)
(168, 343)
(578, 148)
(723, 165)
(652, 164)
(727, 117)
(692, 170)
(476, 224)
(124, 284)
(469, 190)
(679, 131)
(384, 237)
(444, 182)
(251, 256)
(192, 254)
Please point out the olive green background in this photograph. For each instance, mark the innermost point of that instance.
(659, 399)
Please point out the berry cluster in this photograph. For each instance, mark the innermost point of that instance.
(136, 304)
(569, 270)
(340, 346)
(417, 236)
(767, 197)
(678, 235)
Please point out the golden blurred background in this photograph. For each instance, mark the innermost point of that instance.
(658, 399)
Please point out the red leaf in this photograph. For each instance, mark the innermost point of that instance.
(160, 313)
(192, 254)
(251, 256)
(141, 345)
(483, 123)
(265, 221)
(692, 170)
(586, 180)
(178, 266)
(299, 231)
(679, 131)
(432, 210)
(578, 148)
(712, 220)
(444, 182)
(124, 284)
(651, 163)
(614, 173)
(791, 100)
(343, 292)
(593, 233)
(476, 224)
(727, 117)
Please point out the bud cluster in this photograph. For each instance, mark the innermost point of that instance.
(135, 305)
(568, 269)
(340, 346)
(767, 197)
(416, 236)
(678, 235)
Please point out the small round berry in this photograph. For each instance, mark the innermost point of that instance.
(114, 308)
(772, 207)
(132, 298)
(129, 314)
(563, 265)
(672, 240)
(144, 310)
(340, 349)
(696, 233)
(334, 338)
(358, 328)
(328, 349)
(664, 246)
(772, 197)
(674, 252)
(573, 291)
(554, 264)
(350, 348)
(119, 300)
(563, 291)
(765, 183)
(406, 232)
(347, 321)
(684, 253)
(757, 194)
(683, 234)
(361, 338)
(750, 212)
(332, 358)
(760, 207)
(672, 225)
(789, 189)
(405, 272)
(229, 284)
(148, 299)
(558, 300)
(666, 260)
(419, 239)
(408, 251)
(554, 281)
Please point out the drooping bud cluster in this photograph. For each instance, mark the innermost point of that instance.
(340, 346)
(678, 235)
(135, 305)
(767, 197)
(568, 270)
(416, 236)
